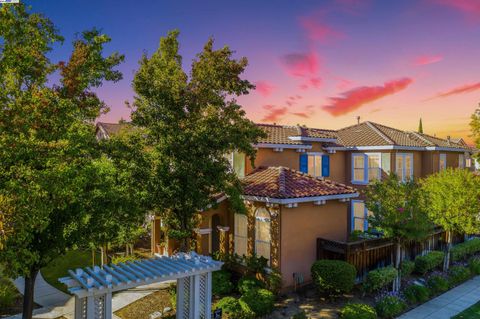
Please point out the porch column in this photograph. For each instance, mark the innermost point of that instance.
(250, 228)
(155, 234)
(275, 236)
(223, 238)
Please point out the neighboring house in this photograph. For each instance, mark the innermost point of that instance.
(303, 184)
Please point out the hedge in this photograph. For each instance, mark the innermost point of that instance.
(474, 265)
(437, 284)
(333, 277)
(458, 274)
(358, 311)
(379, 278)
(465, 249)
(8, 293)
(407, 267)
(247, 283)
(233, 308)
(221, 284)
(390, 307)
(416, 294)
(260, 301)
(430, 261)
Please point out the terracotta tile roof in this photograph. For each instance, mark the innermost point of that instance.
(360, 135)
(279, 134)
(113, 128)
(283, 182)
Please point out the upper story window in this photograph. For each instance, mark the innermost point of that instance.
(237, 160)
(360, 215)
(404, 166)
(315, 164)
(443, 162)
(461, 160)
(366, 167)
(262, 233)
(240, 234)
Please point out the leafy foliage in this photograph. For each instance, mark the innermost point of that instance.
(416, 293)
(379, 278)
(8, 293)
(475, 127)
(437, 284)
(189, 117)
(234, 308)
(407, 267)
(430, 261)
(248, 283)
(261, 301)
(124, 259)
(474, 265)
(358, 311)
(465, 249)
(221, 283)
(390, 306)
(458, 274)
(333, 277)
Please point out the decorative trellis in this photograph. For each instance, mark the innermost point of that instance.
(93, 287)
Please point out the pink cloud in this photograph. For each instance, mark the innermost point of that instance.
(355, 98)
(301, 64)
(318, 31)
(470, 8)
(344, 84)
(467, 88)
(427, 59)
(301, 114)
(264, 88)
(274, 113)
(306, 112)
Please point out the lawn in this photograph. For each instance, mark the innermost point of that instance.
(59, 267)
(471, 313)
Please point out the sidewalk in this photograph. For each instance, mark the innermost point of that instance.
(449, 304)
(56, 303)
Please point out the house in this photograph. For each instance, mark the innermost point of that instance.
(306, 184)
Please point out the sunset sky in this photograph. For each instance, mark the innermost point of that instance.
(320, 63)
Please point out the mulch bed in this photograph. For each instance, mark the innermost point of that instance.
(149, 307)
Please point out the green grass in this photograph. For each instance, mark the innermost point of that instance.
(471, 313)
(59, 267)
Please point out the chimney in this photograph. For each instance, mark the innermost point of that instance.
(448, 139)
(358, 119)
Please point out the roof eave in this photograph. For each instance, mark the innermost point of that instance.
(283, 201)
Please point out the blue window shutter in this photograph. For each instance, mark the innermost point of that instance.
(325, 165)
(304, 163)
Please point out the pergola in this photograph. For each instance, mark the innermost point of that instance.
(93, 287)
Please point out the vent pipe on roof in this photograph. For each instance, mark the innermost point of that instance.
(358, 119)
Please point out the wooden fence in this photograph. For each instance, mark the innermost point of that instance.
(370, 254)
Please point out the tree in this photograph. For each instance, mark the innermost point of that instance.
(398, 213)
(475, 127)
(453, 199)
(420, 126)
(47, 141)
(192, 122)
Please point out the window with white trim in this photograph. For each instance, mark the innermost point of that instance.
(315, 164)
(360, 215)
(366, 167)
(461, 160)
(468, 162)
(262, 233)
(443, 162)
(404, 166)
(240, 234)
(237, 161)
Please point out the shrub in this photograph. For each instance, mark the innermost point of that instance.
(333, 277)
(172, 290)
(221, 283)
(437, 284)
(465, 249)
(390, 306)
(274, 281)
(300, 315)
(260, 301)
(458, 274)
(430, 261)
(232, 308)
(247, 283)
(8, 293)
(358, 311)
(379, 278)
(406, 268)
(123, 259)
(416, 293)
(474, 264)
(256, 264)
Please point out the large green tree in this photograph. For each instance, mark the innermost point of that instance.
(398, 212)
(192, 122)
(453, 199)
(475, 127)
(49, 157)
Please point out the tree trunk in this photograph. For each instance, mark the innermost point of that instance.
(93, 257)
(397, 281)
(446, 261)
(28, 294)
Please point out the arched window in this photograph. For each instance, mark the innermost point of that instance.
(262, 233)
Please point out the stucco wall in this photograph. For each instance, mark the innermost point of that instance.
(300, 227)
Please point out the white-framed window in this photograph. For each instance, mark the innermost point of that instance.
(468, 162)
(461, 160)
(262, 233)
(315, 164)
(240, 234)
(404, 166)
(366, 167)
(360, 215)
(237, 161)
(443, 162)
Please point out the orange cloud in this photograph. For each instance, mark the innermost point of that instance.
(265, 88)
(467, 88)
(355, 98)
(274, 113)
(427, 59)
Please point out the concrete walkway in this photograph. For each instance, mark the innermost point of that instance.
(449, 304)
(56, 303)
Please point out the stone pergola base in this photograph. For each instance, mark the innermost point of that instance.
(93, 288)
